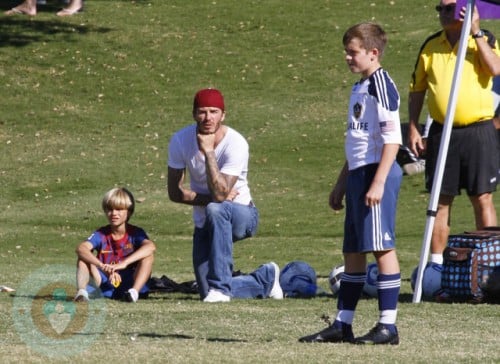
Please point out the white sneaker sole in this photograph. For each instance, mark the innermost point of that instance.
(215, 297)
(276, 292)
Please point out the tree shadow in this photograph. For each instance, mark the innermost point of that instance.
(22, 30)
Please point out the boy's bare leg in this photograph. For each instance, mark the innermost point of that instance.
(83, 273)
(387, 261)
(143, 272)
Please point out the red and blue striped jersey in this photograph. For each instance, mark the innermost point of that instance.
(110, 251)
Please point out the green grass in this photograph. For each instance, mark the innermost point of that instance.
(90, 102)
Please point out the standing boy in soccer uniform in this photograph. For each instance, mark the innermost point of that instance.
(370, 181)
(124, 254)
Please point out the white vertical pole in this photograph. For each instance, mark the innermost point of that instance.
(443, 150)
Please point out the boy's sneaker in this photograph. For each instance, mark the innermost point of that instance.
(214, 296)
(331, 334)
(380, 334)
(276, 291)
(81, 296)
(131, 295)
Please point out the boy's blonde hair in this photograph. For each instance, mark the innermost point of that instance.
(119, 198)
(370, 35)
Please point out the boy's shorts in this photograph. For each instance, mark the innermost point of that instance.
(472, 162)
(368, 229)
(109, 291)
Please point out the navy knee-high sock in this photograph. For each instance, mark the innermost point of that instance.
(388, 286)
(351, 286)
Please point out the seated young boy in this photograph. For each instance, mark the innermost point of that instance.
(118, 256)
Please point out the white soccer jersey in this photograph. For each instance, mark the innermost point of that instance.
(373, 119)
(232, 158)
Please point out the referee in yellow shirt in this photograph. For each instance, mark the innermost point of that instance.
(472, 162)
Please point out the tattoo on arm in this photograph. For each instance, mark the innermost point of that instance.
(219, 184)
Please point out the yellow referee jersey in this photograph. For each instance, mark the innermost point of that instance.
(434, 72)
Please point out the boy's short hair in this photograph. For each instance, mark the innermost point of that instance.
(371, 35)
(119, 198)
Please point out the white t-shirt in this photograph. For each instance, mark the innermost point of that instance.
(373, 119)
(232, 158)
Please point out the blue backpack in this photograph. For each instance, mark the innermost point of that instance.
(298, 280)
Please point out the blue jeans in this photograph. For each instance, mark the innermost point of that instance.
(227, 222)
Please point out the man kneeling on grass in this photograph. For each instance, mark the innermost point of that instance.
(124, 254)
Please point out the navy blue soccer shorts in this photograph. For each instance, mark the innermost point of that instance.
(109, 291)
(368, 229)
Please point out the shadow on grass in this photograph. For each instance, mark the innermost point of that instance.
(45, 297)
(152, 335)
(223, 340)
(405, 298)
(22, 30)
(173, 295)
(155, 297)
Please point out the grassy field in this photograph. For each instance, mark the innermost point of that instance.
(89, 102)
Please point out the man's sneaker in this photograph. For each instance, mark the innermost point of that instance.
(414, 168)
(81, 296)
(379, 335)
(214, 296)
(131, 295)
(331, 334)
(276, 291)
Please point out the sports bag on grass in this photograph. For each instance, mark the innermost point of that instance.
(298, 280)
(470, 259)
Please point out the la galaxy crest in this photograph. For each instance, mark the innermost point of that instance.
(356, 110)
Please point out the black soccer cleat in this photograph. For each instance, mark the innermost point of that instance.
(330, 335)
(379, 335)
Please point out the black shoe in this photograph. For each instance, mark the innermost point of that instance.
(130, 296)
(379, 335)
(127, 297)
(330, 335)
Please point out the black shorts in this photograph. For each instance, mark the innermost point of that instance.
(472, 162)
